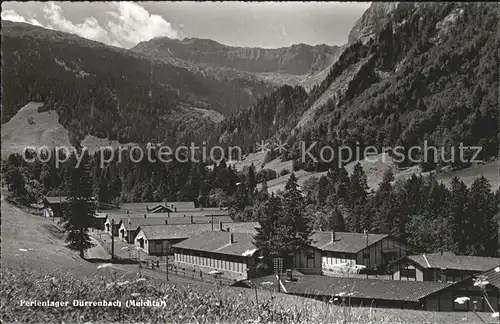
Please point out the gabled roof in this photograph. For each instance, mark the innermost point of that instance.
(56, 199)
(176, 218)
(138, 208)
(493, 276)
(133, 224)
(60, 199)
(371, 289)
(116, 217)
(101, 215)
(159, 209)
(199, 220)
(344, 242)
(219, 242)
(184, 231)
(169, 232)
(452, 261)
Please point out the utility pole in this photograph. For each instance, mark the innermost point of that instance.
(112, 240)
(166, 262)
(367, 253)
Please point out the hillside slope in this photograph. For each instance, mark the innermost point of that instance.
(114, 93)
(33, 128)
(42, 240)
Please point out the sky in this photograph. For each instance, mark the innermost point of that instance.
(247, 24)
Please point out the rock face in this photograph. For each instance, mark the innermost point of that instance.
(373, 20)
(300, 59)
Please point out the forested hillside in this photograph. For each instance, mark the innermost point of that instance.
(111, 92)
(430, 73)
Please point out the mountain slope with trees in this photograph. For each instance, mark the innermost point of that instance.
(431, 72)
(111, 92)
(297, 64)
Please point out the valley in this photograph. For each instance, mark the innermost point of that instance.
(384, 219)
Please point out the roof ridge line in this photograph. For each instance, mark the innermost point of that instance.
(427, 261)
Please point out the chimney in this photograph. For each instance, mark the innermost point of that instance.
(144, 215)
(443, 275)
(231, 238)
(192, 222)
(333, 236)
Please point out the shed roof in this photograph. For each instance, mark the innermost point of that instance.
(371, 289)
(219, 242)
(452, 261)
(198, 212)
(133, 224)
(344, 242)
(180, 204)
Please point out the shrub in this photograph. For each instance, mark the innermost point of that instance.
(284, 172)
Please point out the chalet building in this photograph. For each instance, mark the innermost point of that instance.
(54, 205)
(233, 255)
(100, 220)
(424, 295)
(342, 250)
(308, 261)
(158, 239)
(129, 227)
(360, 292)
(445, 299)
(444, 267)
(112, 223)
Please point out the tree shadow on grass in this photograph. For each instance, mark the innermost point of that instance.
(115, 261)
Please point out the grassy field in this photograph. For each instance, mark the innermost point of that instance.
(32, 128)
(36, 242)
(374, 168)
(182, 304)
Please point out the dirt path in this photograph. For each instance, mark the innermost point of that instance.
(97, 251)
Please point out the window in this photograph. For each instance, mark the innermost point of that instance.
(310, 255)
(408, 274)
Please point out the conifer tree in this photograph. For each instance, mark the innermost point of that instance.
(79, 213)
(294, 214)
(459, 220)
(323, 192)
(483, 227)
(251, 181)
(336, 221)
